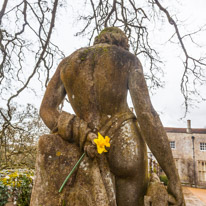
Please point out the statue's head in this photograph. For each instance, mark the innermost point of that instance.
(112, 35)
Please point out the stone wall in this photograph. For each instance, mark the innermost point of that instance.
(191, 164)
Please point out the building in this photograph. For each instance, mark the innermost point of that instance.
(189, 151)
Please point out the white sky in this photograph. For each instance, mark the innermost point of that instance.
(168, 101)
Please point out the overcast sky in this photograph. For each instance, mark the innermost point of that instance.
(168, 101)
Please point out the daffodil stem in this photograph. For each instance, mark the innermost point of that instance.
(69, 175)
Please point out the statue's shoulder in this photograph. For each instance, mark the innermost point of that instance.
(71, 58)
(75, 54)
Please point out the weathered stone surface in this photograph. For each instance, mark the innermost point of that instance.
(157, 194)
(55, 159)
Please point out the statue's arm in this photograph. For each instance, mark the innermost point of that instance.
(68, 126)
(152, 129)
(54, 95)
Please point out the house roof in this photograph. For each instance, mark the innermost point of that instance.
(184, 130)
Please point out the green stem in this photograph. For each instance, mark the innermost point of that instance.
(69, 175)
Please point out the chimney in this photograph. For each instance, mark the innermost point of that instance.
(189, 130)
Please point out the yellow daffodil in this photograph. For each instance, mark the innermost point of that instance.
(101, 143)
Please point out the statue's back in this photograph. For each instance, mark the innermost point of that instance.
(96, 78)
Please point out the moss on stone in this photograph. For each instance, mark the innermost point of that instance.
(111, 30)
(84, 53)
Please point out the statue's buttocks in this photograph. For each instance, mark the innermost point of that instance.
(96, 78)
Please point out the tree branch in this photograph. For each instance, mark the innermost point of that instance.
(3, 10)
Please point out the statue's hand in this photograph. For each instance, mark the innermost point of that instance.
(91, 136)
(64, 126)
(90, 147)
(175, 189)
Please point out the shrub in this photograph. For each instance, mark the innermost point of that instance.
(4, 194)
(164, 179)
(19, 184)
(24, 191)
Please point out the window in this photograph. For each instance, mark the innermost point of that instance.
(172, 144)
(202, 171)
(202, 146)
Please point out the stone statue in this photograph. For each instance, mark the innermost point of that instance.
(96, 80)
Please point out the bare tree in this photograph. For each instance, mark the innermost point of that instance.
(26, 53)
(194, 68)
(18, 141)
(26, 47)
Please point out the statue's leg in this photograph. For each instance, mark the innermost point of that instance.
(128, 161)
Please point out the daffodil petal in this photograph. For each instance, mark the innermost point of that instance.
(107, 139)
(96, 141)
(100, 136)
(107, 144)
(100, 150)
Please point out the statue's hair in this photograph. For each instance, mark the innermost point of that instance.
(112, 35)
